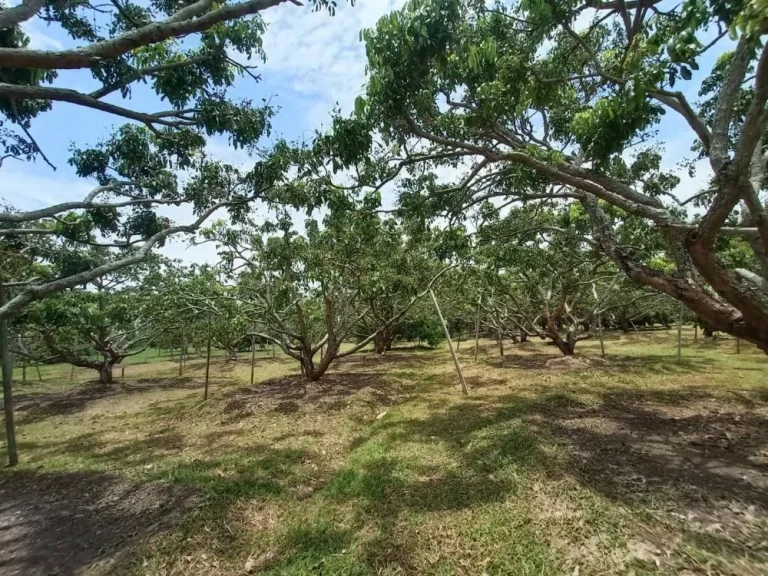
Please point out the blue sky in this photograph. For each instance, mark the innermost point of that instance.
(313, 62)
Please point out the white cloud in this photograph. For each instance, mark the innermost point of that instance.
(38, 39)
(21, 187)
(321, 57)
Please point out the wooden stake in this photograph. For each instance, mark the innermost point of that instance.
(253, 357)
(600, 332)
(477, 329)
(273, 349)
(695, 332)
(24, 372)
(680, 334)
(122, 372)
(738, 345)
(72, 373)
(207, 359)
(450, 345)
(500, 340)
(10, 428)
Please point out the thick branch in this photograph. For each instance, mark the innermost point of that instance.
(150, 34)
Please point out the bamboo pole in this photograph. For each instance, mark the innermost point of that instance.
(600, 332)
(477, 329)
(10, 428)
(253, 357)
(450, 345)
(207, 359)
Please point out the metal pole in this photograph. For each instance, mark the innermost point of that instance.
(477, 328)
(680, 334)
(207, 359)
(253, 357)
(10, 429)
(181, 353)
(450, 345)
(600, 331)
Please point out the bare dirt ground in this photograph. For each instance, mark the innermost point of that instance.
(53, 523)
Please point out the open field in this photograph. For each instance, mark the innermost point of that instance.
(636, 465)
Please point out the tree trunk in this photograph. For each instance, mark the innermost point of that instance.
(523, 336)
(567, 346)
(7, 370)
(105, 374)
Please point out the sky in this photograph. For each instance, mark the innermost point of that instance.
(314, 63)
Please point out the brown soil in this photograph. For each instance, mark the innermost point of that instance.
(697, 462)
(60, 523)
(34, 407)
(293, 393)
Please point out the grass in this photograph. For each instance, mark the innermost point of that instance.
(390, 470)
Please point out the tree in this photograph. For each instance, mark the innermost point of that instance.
(532, 108)
(95, 327)
(309, 293)
(550, 283)
(187, 54)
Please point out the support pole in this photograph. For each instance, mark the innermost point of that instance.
(24, 372)
(39, 376)
(181, 353)
(680, 334)
(253, 357)
(10, 429)
(72, 373)
(738, 345)
(450, 345)
(122, 372)
(637, 332)
(207, 359)
(477, 328)
(600, 332)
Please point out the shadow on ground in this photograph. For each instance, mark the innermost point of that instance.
(290, 394)
(36, 407)
(59, 523)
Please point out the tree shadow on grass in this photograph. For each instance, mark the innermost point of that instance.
(689, 455)
(36, 407)
(291, 394)
(62, 522)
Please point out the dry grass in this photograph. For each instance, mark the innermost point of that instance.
(636, 464)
